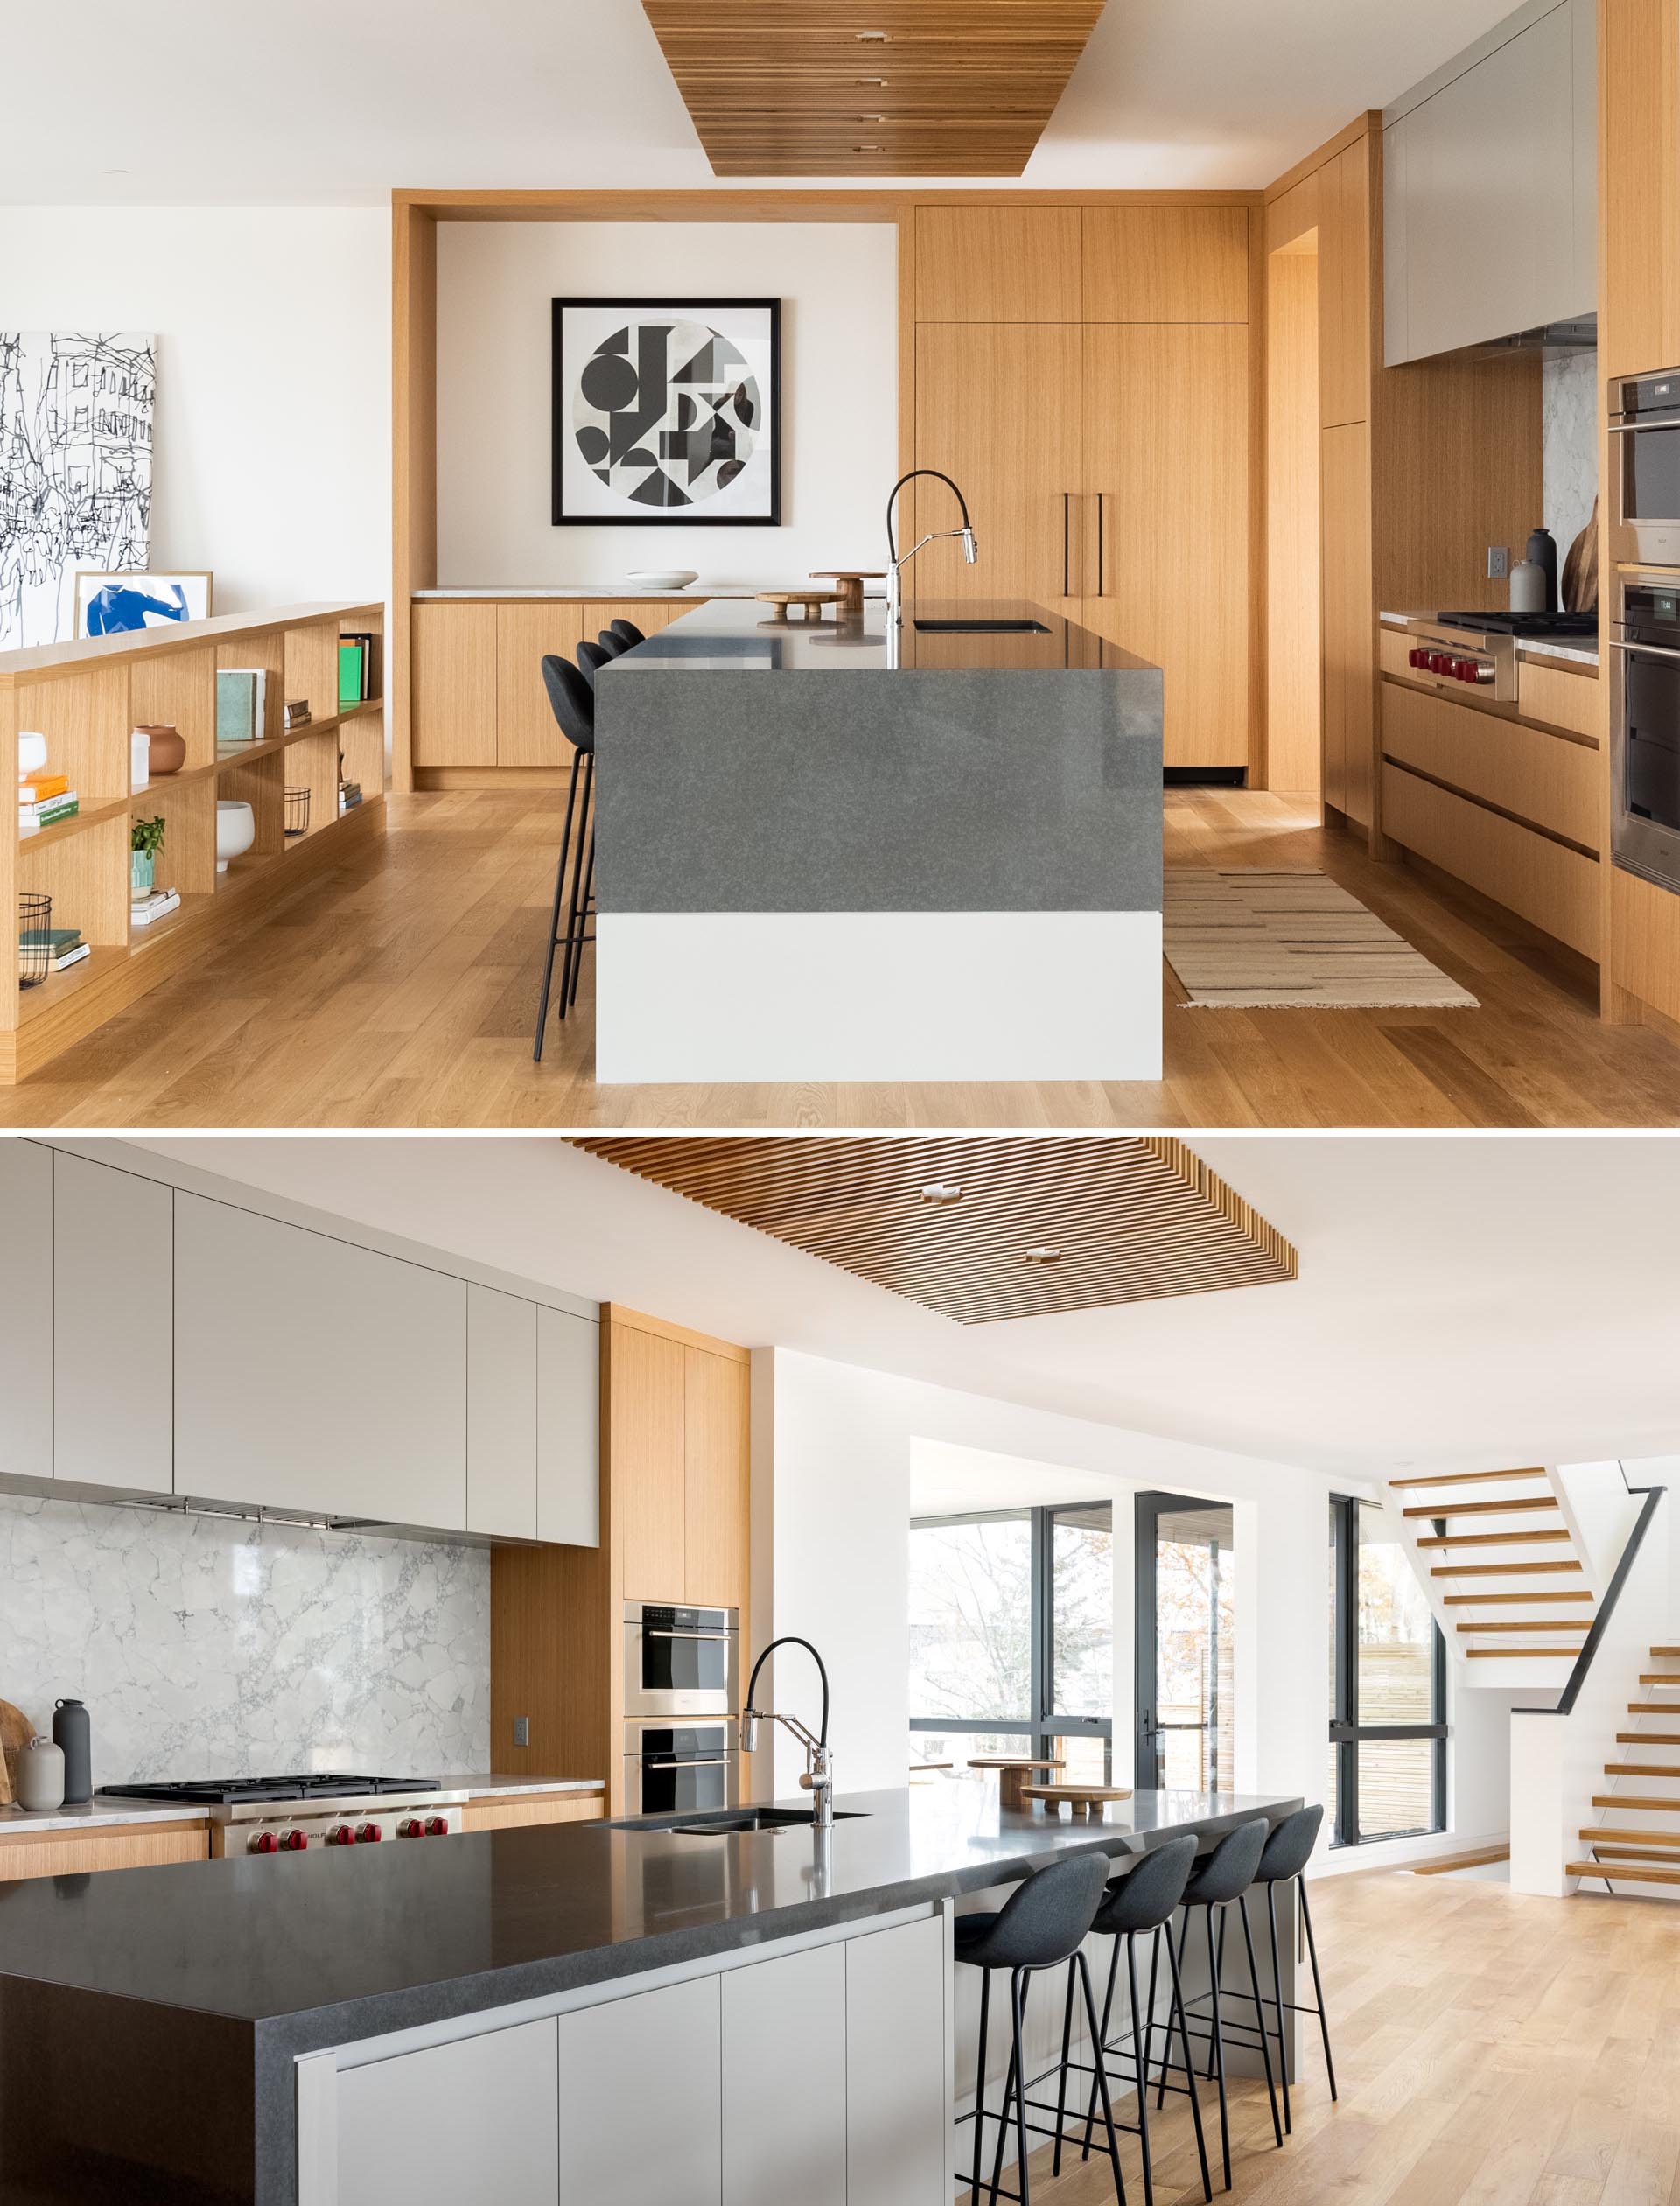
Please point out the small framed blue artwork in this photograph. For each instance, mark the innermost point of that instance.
(666, 411)
(109, 605)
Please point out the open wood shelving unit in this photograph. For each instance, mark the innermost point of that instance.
(86, 699)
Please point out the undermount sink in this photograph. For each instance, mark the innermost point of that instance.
(731, 1820)
(985, 628)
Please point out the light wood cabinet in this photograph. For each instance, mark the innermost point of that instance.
(1166, 264)
(453, 696)
(527, 732)
(640, 2099)
(1554, 888)
(568, 1429)
(501, 1385)
(1344, 222)
(646, 1443)
(1166, 445)
(1639, 322)
(73, 1853)
(1546, 780)
(112, 1327)
(26, 1299)
(898, 2124)
(476, 2118)
(784, 2080)
(1349, 618)
(998, 264)
(531, 1810)
(314, 1375)
(714, 1419)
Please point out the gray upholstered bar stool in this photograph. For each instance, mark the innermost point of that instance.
(1219, 1883)
(613, 643)
(572, 701)
(1142, 1904)
(590, 659)
(1043, 1923)
(632, 634)
(1287, 1852)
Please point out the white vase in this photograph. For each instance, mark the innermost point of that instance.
(235, 830)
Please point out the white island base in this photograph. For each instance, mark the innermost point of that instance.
(717, 997)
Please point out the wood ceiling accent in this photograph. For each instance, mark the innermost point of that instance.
(1135, 1218)
(842, 87)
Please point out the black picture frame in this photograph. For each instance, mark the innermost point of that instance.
(667, 517)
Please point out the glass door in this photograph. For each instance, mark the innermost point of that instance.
(1186, 1644)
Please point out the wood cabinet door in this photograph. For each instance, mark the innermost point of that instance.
(452, 654)
(1166, 264)
(500, 1413)
(478, 2118)
(568, 1429)
(998, 265)
(714, 1473)
(527, 731)
(26, 1299)
(314, 1375)
(784, 2073)
(997, 410)
(1349, 618)
(640, 2101)
(1166, 449)
(1639, 325)
(1345, 287)
(647, 1428)
(112, 1327)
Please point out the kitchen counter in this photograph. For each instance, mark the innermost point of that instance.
(822, 855)
(102, 1812)
(623, 592)
(212, 1978)
(1576, 654)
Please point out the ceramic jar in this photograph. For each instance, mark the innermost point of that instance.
(40, 1777)
(235, 830)
(72, 1735)
(166, 745)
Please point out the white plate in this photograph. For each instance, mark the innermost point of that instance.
(663, 577)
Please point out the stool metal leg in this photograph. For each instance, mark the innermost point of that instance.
(1278, 1997)
(1148, 2024)
(1219, 1970)
(1141, 2070)
(1062, 2080)
(559, 897)
(1003, 2112)
(1184, 1940)
(573, 950)
(1189, 2068)
(583, 909)
(1260, 2014)
(1216, 2050)
(980, 2087)
(1317, 1986)
(1101, 2065)
(1108, 2012)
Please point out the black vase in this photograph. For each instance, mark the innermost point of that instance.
(1543, 551)
(71, 1735)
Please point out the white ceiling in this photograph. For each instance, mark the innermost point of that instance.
(1463, 1301)
(317, 102)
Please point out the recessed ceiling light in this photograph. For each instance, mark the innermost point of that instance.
(878, 83)
(871, 118)
(873, 38)
(942, 1191)
(868, 149)
(116, 172)
(1042, 1255)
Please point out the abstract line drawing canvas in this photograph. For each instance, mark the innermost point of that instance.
(666, 411)
(75, 471)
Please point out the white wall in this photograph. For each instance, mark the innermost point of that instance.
(838, 286)
(272, 462)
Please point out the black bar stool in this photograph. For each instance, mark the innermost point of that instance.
(628, 630)
(1287, 1852)
(590, 659)
(1143, 1903)
(1223, 1880)
(573, 701)
(1043, 1922)
(612, 643)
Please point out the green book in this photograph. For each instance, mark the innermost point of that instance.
(353, 653)
(58, 939)
(239, 704)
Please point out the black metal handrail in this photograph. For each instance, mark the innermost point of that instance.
(1607, 1606)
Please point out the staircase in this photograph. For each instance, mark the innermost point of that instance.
(1507, 1571)
(1619, 1846)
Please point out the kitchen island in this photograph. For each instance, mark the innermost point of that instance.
(833, 851)
(608, 2013)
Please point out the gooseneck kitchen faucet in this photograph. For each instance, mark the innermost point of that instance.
(895, 564)
(818, 1776)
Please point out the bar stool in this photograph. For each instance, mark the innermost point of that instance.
(628, 630)
(613, 644)
(573, 702)
(591, 660)
(1143, 1903)
(1222, 1881)
(1287, 1852)
(1043, 1922)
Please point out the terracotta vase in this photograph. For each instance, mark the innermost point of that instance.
(168, 747)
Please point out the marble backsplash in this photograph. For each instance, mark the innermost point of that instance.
(1568, 402)
(210, 1647)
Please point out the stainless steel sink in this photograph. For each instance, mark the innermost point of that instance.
(985, 628)
(726, 1820)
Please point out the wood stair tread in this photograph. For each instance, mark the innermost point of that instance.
(1642, 1769)
(1646, 1738)
(1469, 1478)
(1515, 1653)
(1489, 1539)
(1623, 1872)
(1527, 1623)
(1662, 1840)
(1538, 1592)
(1482, 1508)
(1647, 1803)
(1452, 1861)
(1493, 1570)
(1665, 1654)
(1657, 1678)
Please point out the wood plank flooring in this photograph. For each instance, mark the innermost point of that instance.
(399, 989)
(1491, 2049)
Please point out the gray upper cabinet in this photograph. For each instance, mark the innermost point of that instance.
(314, 1375)
(25, 1310)
(500, 1414)
(568, 1429)
(1490, 187)
(112, 1327)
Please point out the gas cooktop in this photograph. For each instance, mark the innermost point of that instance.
(1556, 627)
(231, 1792)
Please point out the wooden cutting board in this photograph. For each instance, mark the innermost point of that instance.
(1580, 588)
(16, 1731)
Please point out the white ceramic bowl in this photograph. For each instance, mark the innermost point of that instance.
(235, 830)
(663, 577)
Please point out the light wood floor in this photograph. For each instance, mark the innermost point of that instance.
(401, 990)
(1491, 2050)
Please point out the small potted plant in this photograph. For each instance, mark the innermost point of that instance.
(146, 840)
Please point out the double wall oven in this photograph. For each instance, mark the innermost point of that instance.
(682, 1688)
(1645, 727)
(1645, 470)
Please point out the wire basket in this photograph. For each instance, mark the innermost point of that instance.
(34, 939)
(298, 811)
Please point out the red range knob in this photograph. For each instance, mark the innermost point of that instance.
(1464, 669)
(1440, 662)
(411, 1827)
(437, 1827)
(1416, 658)
(368, 1834)
(264, 1842)
(342, 1836)
(294, 1841)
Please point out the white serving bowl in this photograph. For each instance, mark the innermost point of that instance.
(235, 830)
(663, 577)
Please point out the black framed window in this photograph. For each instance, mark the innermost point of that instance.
(1011, 1635)
(1387, 1670)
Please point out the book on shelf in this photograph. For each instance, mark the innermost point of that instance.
(296, 713)
(241, 702)
(40, 788)
(49, 809)
(64, 945)
(358, 656)
(146, 908)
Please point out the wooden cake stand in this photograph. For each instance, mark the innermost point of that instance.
(1012, 1774)
(1086, 1800)
(811, 602)
(850, 596)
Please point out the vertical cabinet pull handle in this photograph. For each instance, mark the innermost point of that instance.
(1066, 524)
(1102, 589)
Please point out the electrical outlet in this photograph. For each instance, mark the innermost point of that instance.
(1499, 562)
(521, 1731)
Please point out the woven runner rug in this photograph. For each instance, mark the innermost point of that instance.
(1248, 940)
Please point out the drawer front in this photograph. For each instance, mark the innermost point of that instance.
(1561, 699)
(65, 1853)
(1543, 778)
(1553, 888)
(524, 1812)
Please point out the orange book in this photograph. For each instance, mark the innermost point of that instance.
(38, 787)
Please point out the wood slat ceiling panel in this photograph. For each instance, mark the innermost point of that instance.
(1133, 1218)
(840, 88)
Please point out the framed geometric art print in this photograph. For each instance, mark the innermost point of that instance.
(666, 410)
